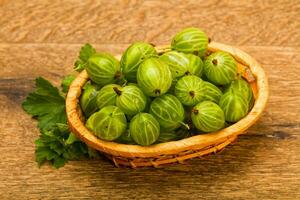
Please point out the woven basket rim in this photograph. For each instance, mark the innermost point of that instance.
(173, 147)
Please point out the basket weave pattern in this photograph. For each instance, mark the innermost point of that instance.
(175, 151)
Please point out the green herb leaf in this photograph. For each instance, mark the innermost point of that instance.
(52, 146)
(71, 139)
(46, 104)
(93, 153)
(56, 143)
(85, 53)
(59, 162)
(66, 82)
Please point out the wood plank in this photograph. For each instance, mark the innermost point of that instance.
(264, 164)
(54, 61)
(42, 38)
(236, 22)
(255, 167)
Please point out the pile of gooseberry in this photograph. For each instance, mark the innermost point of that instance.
(148, 97)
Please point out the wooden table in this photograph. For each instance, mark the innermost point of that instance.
(42, 38)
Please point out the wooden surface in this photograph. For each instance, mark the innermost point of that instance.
(42, 38)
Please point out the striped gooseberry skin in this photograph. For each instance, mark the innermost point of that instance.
(173, 135)
(154, 77)
(88, 100)
(107, 95)
(103, 69)
(132, 58)
(168, 111)
(178, 63)
(212, 92)
(108, 123)
(144, 129)
(195, 66)
(130, 99)
(207, 116)
(190, 90)
(234, 105)
(190, 40)
(125, 138)
(220, 68)
(242, 86)
(167, 137)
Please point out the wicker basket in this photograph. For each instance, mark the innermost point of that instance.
(175, 151)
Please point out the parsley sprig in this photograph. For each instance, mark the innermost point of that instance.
(85, 52)
(53, 145)
(47, 104)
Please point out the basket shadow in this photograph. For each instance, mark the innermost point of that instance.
(234, 161)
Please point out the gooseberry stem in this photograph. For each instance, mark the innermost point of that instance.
(215, 61)
(157, 91)
(125, 83)
(195, 111)
(117, 75)
(192, 94)
(185, 125)
(119, 92)
(187, 73)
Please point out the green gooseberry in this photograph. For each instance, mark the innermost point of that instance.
(103, 69)
(132, 58)
(212, 92)
(173, 135)
(125, 138)
(234, 105)
(190, 90)
(148, 99)
(168, 111)
(144, 129)
(207, 116)
(220, 68)
(154, 77)
(178, 63)
(190, 40)
(130, 99)
(107, 95)
(195, 66)
(108, 124)
(182, 64)
(88, 99)
(167, 137)
(241, 86)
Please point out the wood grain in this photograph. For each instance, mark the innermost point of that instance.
(42, 38)
(252, 22)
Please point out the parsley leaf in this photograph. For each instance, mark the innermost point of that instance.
(46, 104)
(85, 53)
(52, 146)
(56, 143)
(66, 82)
